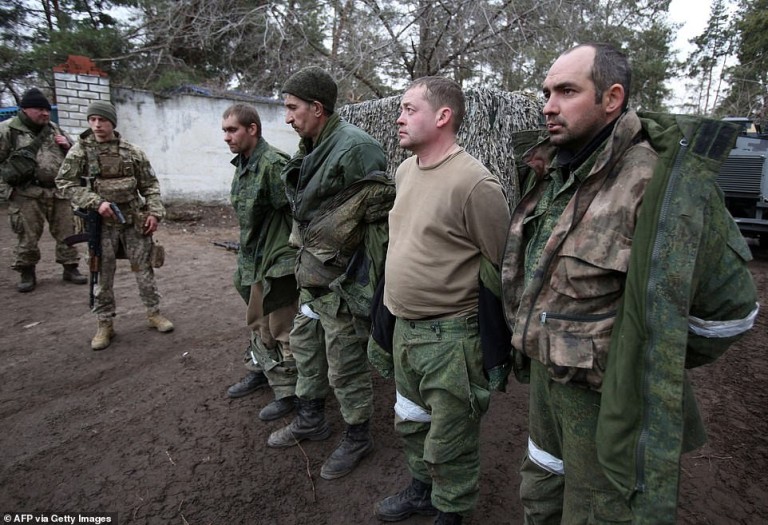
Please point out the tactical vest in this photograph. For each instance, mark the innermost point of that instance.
(114, 175)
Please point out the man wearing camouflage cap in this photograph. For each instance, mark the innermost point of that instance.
(340, 199)
(100, 170)
(31, 150)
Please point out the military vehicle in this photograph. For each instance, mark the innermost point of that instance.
(744, 181)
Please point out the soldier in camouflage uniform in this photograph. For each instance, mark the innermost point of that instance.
(339, 200)
(32, 149)
(597, 337)
(100, 170)
(264, 275)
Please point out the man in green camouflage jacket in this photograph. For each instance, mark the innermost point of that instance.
(32, 149)
(264, 275)
(103, 169)
(622, 268)
(340, 200)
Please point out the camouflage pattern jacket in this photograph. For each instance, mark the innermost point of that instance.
(80, 175)
(14, 135)
(258, 197)
(646, 267)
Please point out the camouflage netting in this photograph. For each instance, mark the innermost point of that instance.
(492, 117)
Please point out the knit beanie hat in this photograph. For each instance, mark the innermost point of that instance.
(313, 83)
(103, 109)
(34, 98)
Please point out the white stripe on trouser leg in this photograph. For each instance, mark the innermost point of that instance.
(544, 459)
(407, 410)
(718, 329)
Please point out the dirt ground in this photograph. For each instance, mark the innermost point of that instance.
(145, 429)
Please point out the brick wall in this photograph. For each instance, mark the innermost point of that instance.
(78, 82)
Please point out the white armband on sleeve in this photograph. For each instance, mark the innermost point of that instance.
(720, 329)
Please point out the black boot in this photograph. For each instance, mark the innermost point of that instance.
(448, 518)
(73, 275)
(309, 423)
(414, 499)
(278, 408)
(354, 446)
(250, 383)
(28, 279)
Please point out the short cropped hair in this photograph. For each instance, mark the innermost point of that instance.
(610, 67)
(441, 91)
(245, 115)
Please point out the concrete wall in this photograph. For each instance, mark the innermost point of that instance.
(181, 134)
(182, 137)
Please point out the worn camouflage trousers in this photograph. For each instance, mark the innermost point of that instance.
(269, 350)
(562, 421)
(331, 353)
(28, 217)
(442, 394)
(137, 247)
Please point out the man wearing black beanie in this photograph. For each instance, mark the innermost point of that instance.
(339, 197)
(32, 149)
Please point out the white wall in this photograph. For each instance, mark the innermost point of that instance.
(182, 137)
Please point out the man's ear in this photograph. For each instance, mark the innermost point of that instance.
(613, 98)
(317, 108)
(444, 116)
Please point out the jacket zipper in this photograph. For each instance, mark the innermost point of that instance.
(586, 318)
(652, 280)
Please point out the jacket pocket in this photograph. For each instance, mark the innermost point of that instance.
(592, 263)
(576, 347)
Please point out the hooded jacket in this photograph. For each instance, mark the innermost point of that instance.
(340, 198)
(634, 285)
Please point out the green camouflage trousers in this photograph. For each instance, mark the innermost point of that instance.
(137, 247)
(28, 216)
(269, 349)
(442, 394)
(331, 353)
(562, 424)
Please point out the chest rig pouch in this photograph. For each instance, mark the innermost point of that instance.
(117, 180)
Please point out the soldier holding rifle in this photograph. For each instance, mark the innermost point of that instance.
(103, 170)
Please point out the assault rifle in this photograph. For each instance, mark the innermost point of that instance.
(231, 246)
(92, 235)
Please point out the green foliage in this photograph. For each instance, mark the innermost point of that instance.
(748, 79)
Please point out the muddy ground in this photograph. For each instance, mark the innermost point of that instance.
(145, 429)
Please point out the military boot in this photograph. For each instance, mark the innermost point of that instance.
(354, 446)
(156, 320)
(103, 336)
(448, 518)
(73, 275)
(309, 423)
(416, 498)
(28, 279)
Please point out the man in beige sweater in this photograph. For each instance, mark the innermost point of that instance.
(449, 213)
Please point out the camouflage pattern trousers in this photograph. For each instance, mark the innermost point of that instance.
(269, 350)
(28, 216)
(562, 480)
(331, 353)
(116, 238)
(442, 394)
